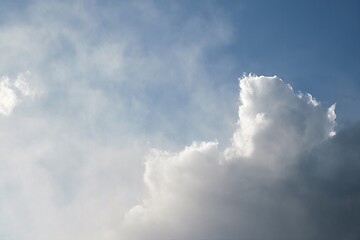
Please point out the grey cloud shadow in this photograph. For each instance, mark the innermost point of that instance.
(326, 183)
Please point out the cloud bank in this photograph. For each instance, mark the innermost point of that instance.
(286, 176)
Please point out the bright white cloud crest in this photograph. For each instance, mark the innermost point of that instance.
(270, 109)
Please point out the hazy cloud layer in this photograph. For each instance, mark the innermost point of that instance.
(285, 177)
(108, 63)
(104, 81)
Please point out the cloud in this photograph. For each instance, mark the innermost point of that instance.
(8, 98)
(271, 110)
(286, 176)
(123, 53)
(120, 77)
(12, 92)
(110, 74)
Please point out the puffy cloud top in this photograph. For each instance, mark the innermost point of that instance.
(271, 110)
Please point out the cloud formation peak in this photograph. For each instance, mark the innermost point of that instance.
(270, 109)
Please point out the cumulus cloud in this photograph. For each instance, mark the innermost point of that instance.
(286, 176)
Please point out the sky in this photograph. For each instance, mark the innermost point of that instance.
(136, 120)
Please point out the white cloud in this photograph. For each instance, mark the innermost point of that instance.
(256, 189)
(13, 92)
(270, 109)
(8, 98)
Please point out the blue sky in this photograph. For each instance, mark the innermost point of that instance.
(290, 38)
(88, 88)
